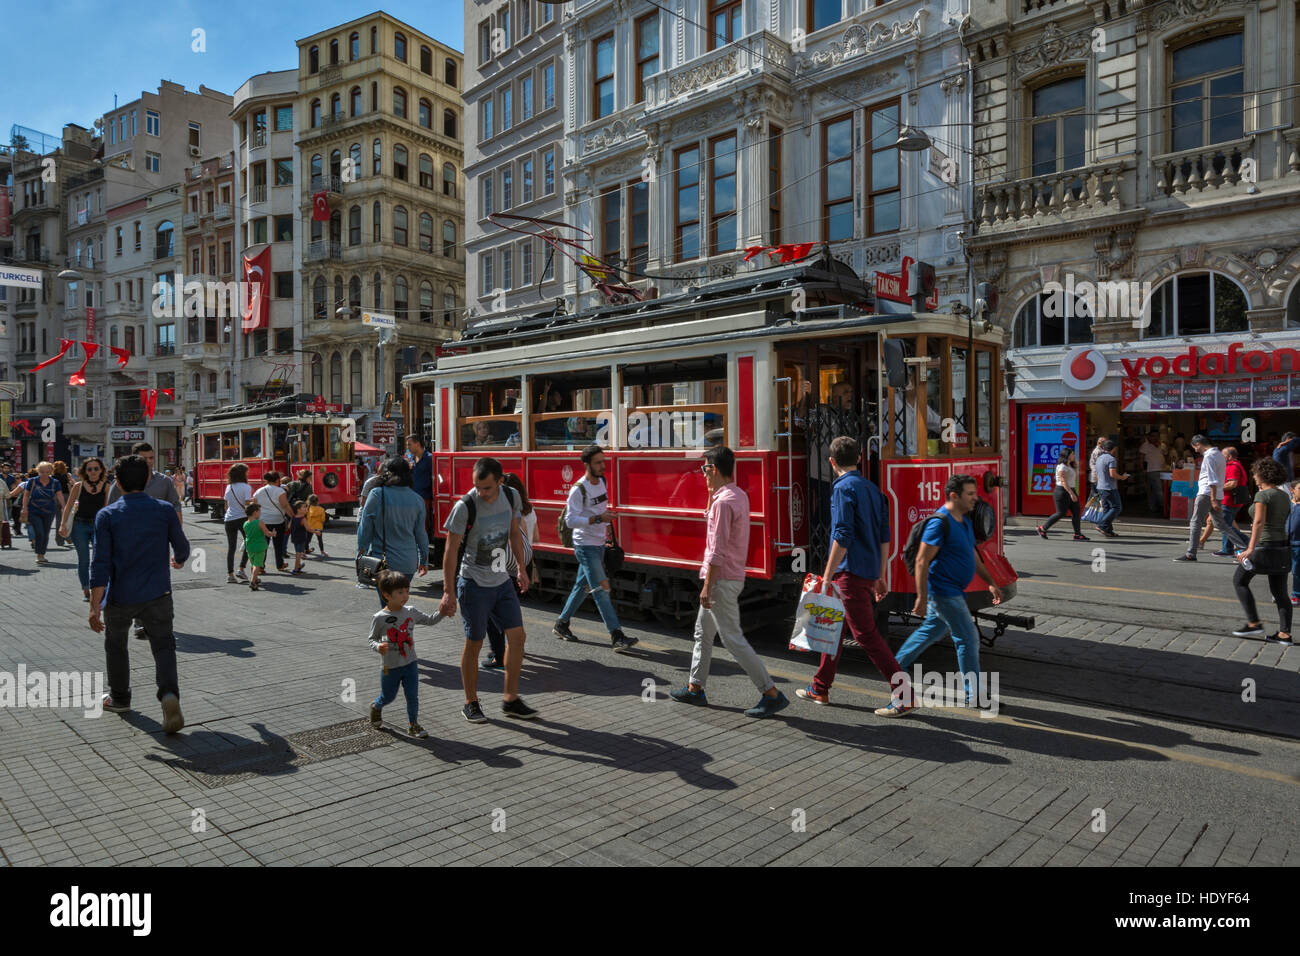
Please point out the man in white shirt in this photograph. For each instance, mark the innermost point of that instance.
(1153, 460)
(1209, 492)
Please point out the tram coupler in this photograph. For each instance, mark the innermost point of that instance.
(1000, 621)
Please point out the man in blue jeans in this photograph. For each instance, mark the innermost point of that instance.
(587, 513)
(1108, 479)
(945, 564)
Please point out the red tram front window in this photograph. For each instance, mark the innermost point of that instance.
(230, 446)
(252, 443)
(572, 410)
(676, 404)
(212, 447)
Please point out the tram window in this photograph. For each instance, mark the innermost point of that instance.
(489, 414)
(934, 412)
(339, 450)
(959, 407)
(280, 443)
(679, 404)
(230, 446)
(316, 450)
(252, 444)
(212, 447)
(984, 398)
(577, 410)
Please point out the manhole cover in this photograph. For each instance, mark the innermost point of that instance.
(281, 755)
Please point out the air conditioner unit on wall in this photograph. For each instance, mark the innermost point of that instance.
(194, 151)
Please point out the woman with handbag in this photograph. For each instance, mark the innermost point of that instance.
(1268, 552)
(391, 534)
(237, 494)
(276, 512)
(1064, 494)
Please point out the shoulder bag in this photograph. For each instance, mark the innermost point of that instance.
(368, 566)
(614, 555)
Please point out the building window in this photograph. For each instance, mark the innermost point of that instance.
(426, 302)
(425, 114)
(374, 97)
(548, 172)
(399, 46)
(283, 229)
(548, 13)
(485, 273)
(118, 237)
(837, 179)
(377, 159)
(448, 238)
(448, 306)
(485, 41)
(399, 102)
(611, 238)
(725, 21)
(152, 123)
(426, 232)
(284, 172)
(449, 72)
(1059, 125)
(503, 24)
(336, 107)
(449, 180)
(638, 219)
(449, 123)
(722, 194)
(526, 98)
(336, 378)
(485, 192)
(315, 114)
(374, 39)
(426, 60)
(399, 162)
(1206, 82)
(319, 306)
(507, 263)
(548, 86)
(376, 223)
(400, 298)
(259, 230)
(426, 171)
(354, 101)
(822, 13)
(686, 216)
(283, 118)
(774, 186)
(526, 178)
(354, 154)
(354, 46)
(354, 292)
(525, 18)
(284, 285)
(647, 51)
(1203, 303)
(485, 110)
(507, 109)
(153, 162)
(526, 263)
(334, 52)
(507, 187)
(1052, 320)
(313, 60)
(377, 291)
(602, 71)
(399, 225)
(884, 205)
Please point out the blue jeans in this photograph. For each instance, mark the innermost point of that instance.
(591, 571)
(83, 537)
(946, 613)
(1229, 516)
(1295, 570)
(39, 527)
(1110, 500)
(408, 678)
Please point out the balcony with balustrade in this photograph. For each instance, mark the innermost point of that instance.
(324, 250)
(328, 184)
(1069, 196)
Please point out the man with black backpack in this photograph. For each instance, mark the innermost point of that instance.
(946, 561)
(487, 520)
(583, 526)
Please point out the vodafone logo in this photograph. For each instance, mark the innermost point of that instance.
(1083, 368)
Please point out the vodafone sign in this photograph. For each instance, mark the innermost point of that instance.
(1083, 368)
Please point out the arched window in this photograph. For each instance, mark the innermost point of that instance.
(336, 106)
(448, 238)
(354, 226)
(449, 180)
(354, 46)
(354, 100)
(425, 359)
(400, 160)
(226, 379)
(112, 340)
(1196, 303)
(448, 305)
(316, 166)
(449, 72)
(426, 170)
(336, 163)
(334, 52)
(354, 292)
(354, 376)
(317, 375)
(198, 379)
(212, 382)
(378, 292)
(1206, 83)
(426, 232)
(313, 60)
(374, 39)
(399, 225)
(376, 158)
(400, 298)
(336, 377)
(426, 60)
(1059, 126)
(163, 239)
(426, 114)
(449, 123)
(1051, 319)
(399, 102)
(374, 96)
(399, 46)
(376, 223)
(355, 154)
(318, 305)
(315, 114)
(338, 295)
(426, 302)
(336, 226)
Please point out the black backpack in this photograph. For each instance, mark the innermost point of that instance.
(913, 546)
(467, 499)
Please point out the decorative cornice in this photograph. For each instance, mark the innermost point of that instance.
(703, 75)
(1053, 47)
(1154, 20)
(855, 89)
(702, 121)
(615, 132)
(859, 40)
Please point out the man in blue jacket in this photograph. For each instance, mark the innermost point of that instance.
(1282, 453)
(129, 580)
(421, 473)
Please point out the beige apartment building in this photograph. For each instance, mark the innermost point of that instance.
(380, 136)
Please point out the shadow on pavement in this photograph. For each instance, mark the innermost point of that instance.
(202, 644)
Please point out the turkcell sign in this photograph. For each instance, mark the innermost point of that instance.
(379, 320)
(22, 278)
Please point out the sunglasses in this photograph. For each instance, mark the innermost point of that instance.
(705, 468)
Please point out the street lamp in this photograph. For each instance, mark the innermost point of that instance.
(912, 140)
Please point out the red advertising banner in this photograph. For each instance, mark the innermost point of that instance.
(90, 324)
(257, 291)
(894, 287)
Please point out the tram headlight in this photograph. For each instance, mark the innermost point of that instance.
(330, 480)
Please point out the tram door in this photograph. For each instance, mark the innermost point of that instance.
(833, 388)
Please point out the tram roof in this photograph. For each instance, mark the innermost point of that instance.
(286, 406)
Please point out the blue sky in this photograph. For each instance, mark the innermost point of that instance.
(73, 55)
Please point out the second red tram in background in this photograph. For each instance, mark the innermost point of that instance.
(775, 364)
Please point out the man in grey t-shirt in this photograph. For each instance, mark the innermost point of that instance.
(482, 583)
(1108, 479)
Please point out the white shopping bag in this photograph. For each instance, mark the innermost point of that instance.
(819, 618)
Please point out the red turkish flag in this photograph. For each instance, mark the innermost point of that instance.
(122, 355)
(257, 291)
(320, 208)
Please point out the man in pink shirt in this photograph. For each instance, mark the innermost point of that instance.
(723, 571)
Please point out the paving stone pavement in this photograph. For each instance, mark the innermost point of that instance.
(608, 777)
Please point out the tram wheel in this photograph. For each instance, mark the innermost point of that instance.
(671, 617)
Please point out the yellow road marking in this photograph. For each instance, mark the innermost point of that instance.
(1100, 587)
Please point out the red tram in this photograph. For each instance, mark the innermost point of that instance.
(774, 363)
(290, 435)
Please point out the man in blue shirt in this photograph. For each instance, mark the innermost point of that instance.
(859, 526)
(945, 564)
(421, 473)
(1282, 454)
(130, 580)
